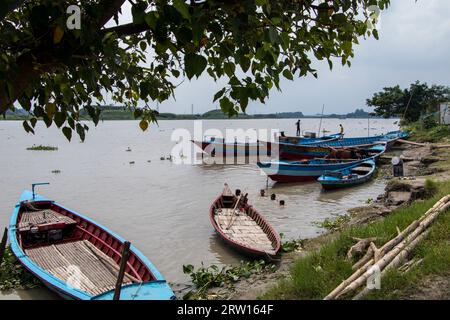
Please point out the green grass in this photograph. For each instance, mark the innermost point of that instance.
(314, 276)
(439, 133)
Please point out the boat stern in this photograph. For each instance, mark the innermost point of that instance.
(153, 290)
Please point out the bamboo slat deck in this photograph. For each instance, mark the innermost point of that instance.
(243, 229)
(34, 218)
(80, 264)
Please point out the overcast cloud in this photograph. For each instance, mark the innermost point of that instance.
(414, 45)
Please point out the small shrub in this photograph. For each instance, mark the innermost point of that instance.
(429, 122)
(431, 188)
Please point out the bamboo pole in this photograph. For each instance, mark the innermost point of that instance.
(389, 256)
(413, 143)
(3, 245)
(390, 244)
(397, 261)
(123, 263)
(391, 253)
(386, 247)
(233, 212)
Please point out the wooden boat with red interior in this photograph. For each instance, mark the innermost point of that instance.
(242, 227)
(78, 258)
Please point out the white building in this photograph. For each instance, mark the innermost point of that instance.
(444, 113)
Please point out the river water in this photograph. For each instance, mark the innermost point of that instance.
(158, 205)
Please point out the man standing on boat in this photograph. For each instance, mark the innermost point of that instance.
(298, 127)
(341, 130)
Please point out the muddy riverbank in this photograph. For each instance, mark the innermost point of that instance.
(421, 163)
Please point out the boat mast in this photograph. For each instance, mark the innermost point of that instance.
(321, 117)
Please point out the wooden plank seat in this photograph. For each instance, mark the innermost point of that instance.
(44, 219)
(243, 229)
(80, 264)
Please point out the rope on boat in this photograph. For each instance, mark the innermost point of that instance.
(29, 205)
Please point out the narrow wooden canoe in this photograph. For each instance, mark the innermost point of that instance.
(76, 257)
(348, 177)
(243, 228)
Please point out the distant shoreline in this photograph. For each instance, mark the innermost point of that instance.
(116, 113)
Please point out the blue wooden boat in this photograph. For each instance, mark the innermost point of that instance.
(288, 151)
(215, 146)
(348, 177)
(304, 141)
(388, 138)
(307, 170)
(77, 257)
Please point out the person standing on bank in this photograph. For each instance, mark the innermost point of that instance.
(298, 127)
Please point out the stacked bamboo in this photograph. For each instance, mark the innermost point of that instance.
(391, 255)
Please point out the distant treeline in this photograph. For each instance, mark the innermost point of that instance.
(121, 113)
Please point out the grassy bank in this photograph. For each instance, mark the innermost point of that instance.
(421, 132)
(314, 276)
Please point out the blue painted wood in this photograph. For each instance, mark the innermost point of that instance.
(344, 177)
(293, 171)
(157, 290)
(347, 142)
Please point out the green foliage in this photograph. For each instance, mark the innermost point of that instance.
(13, 275)
(314, 276)
(42, 148)
(439, 133)
(55, 73)
(431, 188)
(429, 122)
(290, 245)
(214, 276)
(334, 224)
(409, 103)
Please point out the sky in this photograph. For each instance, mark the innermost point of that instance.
(414, 45)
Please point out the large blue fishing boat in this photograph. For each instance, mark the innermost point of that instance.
(306, 170)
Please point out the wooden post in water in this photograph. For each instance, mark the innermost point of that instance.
(3, 245)
(123, 263)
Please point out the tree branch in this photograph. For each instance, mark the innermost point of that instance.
(110, 8)
(127, 29)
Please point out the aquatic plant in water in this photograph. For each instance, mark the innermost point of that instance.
(42, 148)
(214, 276)
(15, 276)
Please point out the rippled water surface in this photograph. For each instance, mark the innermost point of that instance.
(162, 207)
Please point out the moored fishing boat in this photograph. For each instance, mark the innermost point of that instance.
(322, 149)
(389, 138)
(76, 257)
(242, 227)
(348, 177)
(214, 146)
(307, 170)
(309, 141)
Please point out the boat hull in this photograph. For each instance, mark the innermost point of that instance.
(247, 250)
(288, 173)
(152, 284)
(322, 149)
(330, 182)
(300, 171)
